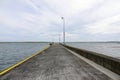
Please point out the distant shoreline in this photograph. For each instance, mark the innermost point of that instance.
(24, 42)
(61, 42)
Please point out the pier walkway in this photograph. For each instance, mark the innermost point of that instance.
(56, 63)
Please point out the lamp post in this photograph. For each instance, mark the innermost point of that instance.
(59, 38)
(63, 29)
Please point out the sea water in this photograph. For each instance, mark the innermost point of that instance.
(106, 48)
(11, 53)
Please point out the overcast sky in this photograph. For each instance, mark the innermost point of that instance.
(40, 20)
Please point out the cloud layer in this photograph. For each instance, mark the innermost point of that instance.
(40, 20)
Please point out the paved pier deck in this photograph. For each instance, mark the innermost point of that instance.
(56, 63)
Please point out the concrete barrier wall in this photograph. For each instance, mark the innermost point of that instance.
(110, 63)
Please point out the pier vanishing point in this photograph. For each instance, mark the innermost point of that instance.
(58, 62)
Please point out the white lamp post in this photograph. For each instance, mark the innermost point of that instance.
(63, 29)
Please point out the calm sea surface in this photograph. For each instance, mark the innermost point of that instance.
(110, 49)
(11, 53)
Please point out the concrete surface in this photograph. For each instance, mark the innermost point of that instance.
(108, 62)
(106, 71)
(55, 64)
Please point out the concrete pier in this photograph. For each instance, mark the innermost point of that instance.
(56, 63)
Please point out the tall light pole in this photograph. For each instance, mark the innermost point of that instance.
(63, 29)
(59, 37)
